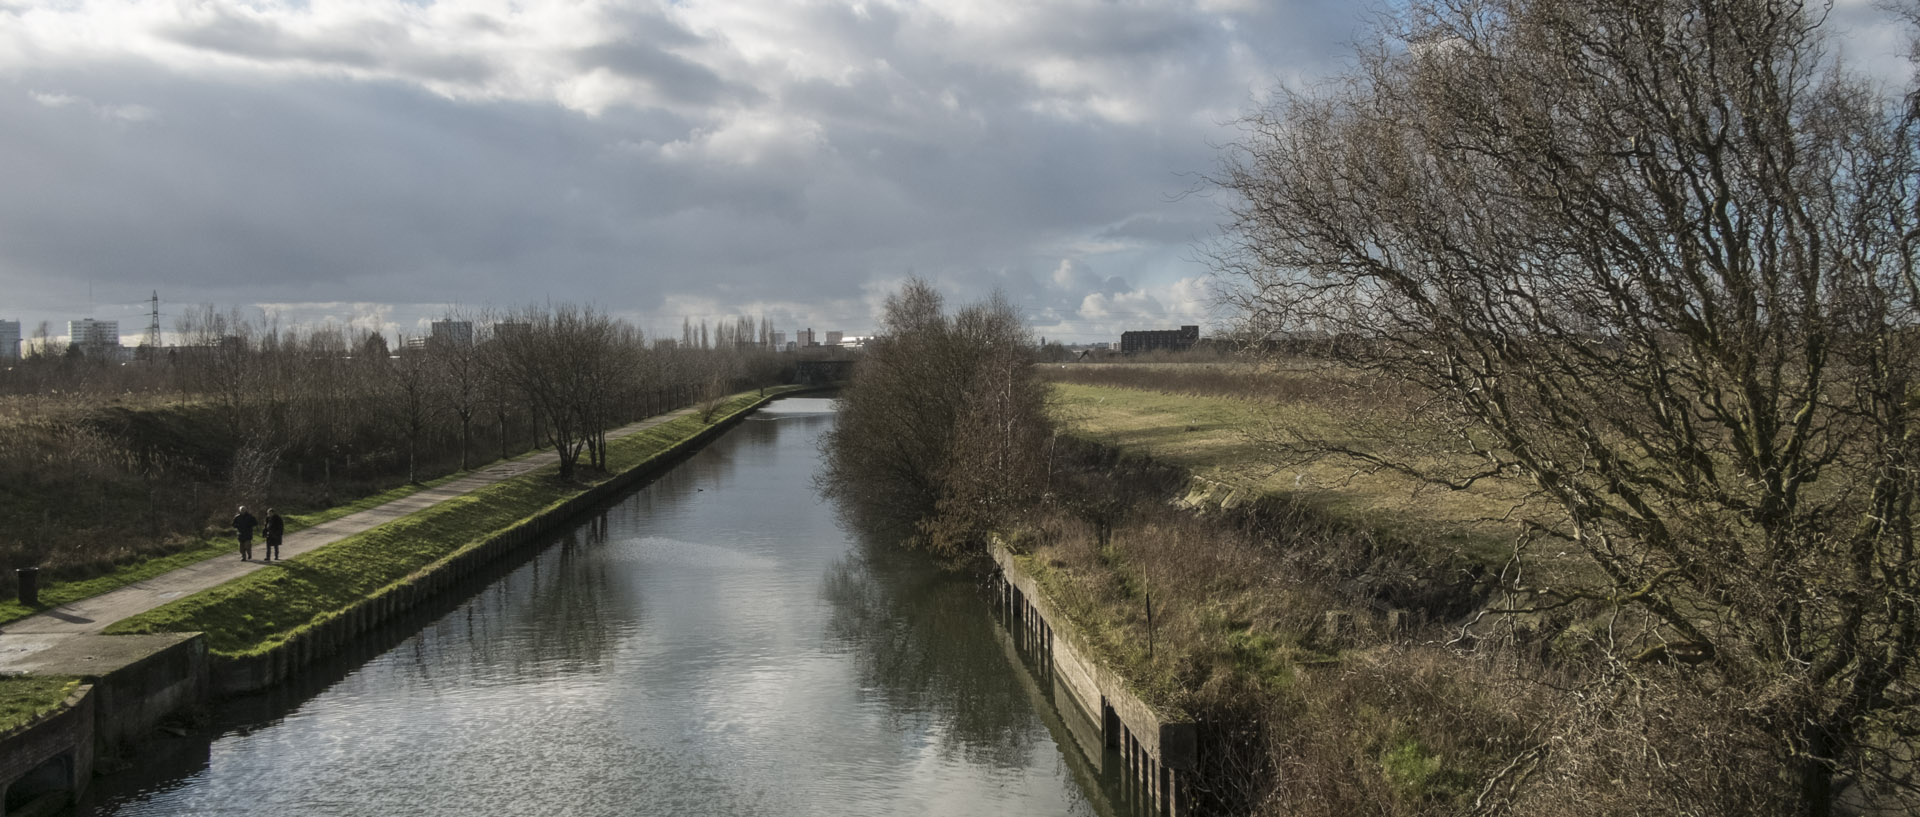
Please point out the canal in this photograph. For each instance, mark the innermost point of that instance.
(716, 643)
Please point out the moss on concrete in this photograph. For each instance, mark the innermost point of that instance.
(26, 698)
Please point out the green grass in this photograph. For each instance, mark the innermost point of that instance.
(55, 594)
(24, 698)
(253, 614)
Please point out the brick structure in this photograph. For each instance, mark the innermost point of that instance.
(1178, 340)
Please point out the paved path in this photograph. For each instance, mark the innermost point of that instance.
(30, 635)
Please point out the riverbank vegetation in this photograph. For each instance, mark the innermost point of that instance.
(110, 465)
(121, 575)
(942, 430)
(265, 608)
(1662, 308)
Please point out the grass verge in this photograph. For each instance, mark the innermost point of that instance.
(251, 615)
(58, 593)
(24, 698)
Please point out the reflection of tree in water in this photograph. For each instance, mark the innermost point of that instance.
(551, 617)
(566, 622)
(923, 641)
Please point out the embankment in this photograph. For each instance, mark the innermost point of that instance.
(1309, 654)
(268, 627)
(1158, 750)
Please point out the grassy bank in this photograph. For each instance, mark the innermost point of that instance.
(58, 593)
(108, 492)
(1269, 622)
(252, 614)
(1267, 628)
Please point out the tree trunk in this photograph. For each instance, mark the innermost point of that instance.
(1816, 773)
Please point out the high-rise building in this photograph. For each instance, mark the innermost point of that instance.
(9, 340)
(459, 333)
(779, 339)
(833, 338)
(94, 337)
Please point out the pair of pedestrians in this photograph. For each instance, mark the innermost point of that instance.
(274, 529)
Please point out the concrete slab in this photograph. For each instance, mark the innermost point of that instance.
(93, 655)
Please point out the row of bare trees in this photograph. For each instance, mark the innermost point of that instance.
(557, 376)
(244, 410)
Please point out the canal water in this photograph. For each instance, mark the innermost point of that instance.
(716, 643)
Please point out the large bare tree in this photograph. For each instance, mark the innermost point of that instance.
(1658, 260)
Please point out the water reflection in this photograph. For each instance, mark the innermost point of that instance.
(713, 644)
(923, 645)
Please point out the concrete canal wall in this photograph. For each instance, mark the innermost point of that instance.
(1159, 754)
(130, 683)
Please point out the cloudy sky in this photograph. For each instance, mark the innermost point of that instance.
(379, 162)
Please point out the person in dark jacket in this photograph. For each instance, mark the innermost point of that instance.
(243, 525)
(274, 528)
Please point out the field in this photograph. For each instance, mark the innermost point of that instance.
(1220, 425)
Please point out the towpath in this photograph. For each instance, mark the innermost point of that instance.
(20, 640)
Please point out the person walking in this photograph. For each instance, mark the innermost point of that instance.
(274, 528)
(243, 525)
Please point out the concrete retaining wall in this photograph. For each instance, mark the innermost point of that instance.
(47, 763)
(1159, 754)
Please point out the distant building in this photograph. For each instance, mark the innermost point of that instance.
(833, 338)
(780, 339)
(9, 340)
(804, 338)
(458, 333)
(1178, 340)
(95, 338)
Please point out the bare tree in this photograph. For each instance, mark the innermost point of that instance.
(929, 441)
(567, 361)
(1657, 259)
(415, 385)
(460, 365)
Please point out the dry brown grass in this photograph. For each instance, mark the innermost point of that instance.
(1300, 717)
(1228, 439)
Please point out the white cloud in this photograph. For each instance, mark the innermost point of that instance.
(112, 113)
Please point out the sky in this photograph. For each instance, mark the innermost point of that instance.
(382, 164)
